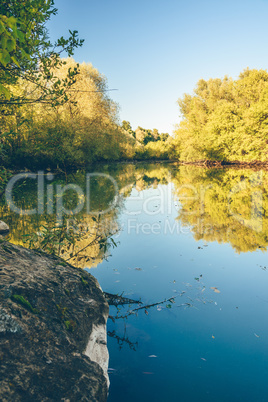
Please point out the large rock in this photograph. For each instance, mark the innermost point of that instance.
(4, 229)
(52, 328)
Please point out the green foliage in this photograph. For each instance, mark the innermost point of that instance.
(51, 238)
(27, 54)
(24, 303)
(225, 120)
(70, 325)
(224, 205)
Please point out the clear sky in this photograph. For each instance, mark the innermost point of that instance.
(154, 51)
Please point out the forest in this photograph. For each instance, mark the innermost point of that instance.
(57, 113)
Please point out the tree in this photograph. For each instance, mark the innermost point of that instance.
(226, 120)
(26, 54)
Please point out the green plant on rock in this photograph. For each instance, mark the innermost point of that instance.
(24, 303)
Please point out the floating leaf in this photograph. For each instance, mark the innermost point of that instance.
(216, 290)
(152, 356)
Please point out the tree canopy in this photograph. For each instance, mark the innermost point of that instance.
(27, 54)
(225, 119)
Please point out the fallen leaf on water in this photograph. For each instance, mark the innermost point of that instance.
(146, 312)
(213, 337)
(257, 336)
(138, 269)
(152, 356)
(202, 358)
(216, 290)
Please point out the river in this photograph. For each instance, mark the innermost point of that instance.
(188, 243)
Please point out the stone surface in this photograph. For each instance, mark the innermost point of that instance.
(52, 330)
(4, 229)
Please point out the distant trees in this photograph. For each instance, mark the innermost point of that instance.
(225, 119)
(150, 144)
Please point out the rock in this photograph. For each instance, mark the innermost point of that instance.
(52, 329)
(4, 229)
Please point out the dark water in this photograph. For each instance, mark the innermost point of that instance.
(196, 238)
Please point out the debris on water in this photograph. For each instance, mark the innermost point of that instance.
(152, 356)
(111, 370)
(213, 337)
(216, 290)
(146, 312)
(202, 358)
(257, 336)
(138, 269)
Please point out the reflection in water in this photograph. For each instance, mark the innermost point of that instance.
(226, 205)
(215, 329)
(223, 205)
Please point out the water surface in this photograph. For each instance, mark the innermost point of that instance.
(196, 238)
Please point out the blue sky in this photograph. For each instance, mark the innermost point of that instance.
(154, 51)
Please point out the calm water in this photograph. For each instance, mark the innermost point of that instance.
(197, 237)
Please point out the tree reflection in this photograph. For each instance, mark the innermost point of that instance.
(225, 205)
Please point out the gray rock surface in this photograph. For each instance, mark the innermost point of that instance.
(4, 229)
(52, 328)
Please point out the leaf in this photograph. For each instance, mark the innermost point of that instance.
(5, 92)
(15, 61)
(216, 290)
(11, 44)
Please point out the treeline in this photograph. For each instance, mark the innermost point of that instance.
(150, 144)
(225, 120)
(82, 130)
(55, 112)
